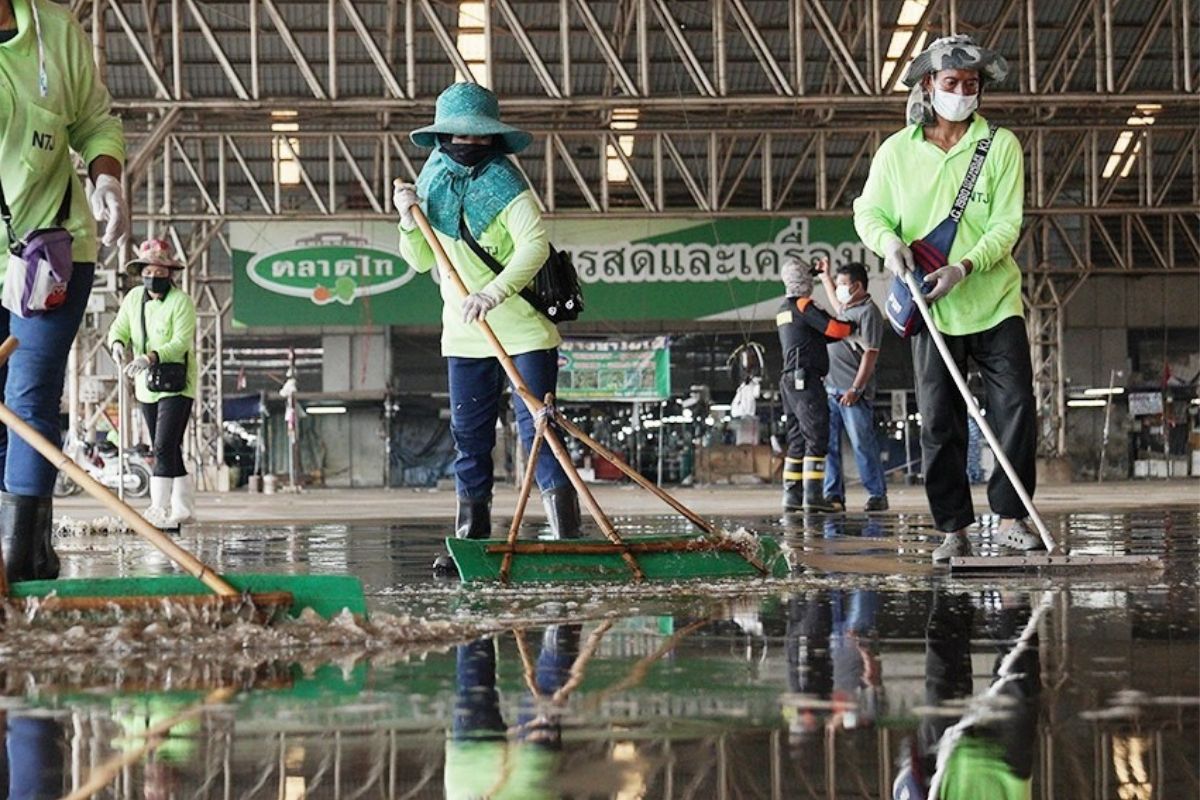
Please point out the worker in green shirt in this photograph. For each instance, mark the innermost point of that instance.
(469, 187)
(153, 337)
(976, 297)
(52, 102)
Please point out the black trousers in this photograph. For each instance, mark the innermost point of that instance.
(167, 420)
(1001, 354)
(807, 417)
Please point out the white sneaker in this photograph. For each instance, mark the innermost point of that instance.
(183, 502)
(1015, 534)
(954, 545)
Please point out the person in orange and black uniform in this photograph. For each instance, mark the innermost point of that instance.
(804, 330)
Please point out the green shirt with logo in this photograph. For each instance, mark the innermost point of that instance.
(517, 239)
(171, 323)
(911, 188)
(40, 131)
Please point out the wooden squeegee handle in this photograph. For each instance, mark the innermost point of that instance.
(185, 560)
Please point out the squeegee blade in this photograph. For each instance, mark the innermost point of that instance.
(1043, 561)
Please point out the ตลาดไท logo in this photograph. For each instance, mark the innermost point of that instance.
(330, 267)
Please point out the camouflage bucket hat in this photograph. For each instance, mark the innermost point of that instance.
(956, 52)
(949, 52)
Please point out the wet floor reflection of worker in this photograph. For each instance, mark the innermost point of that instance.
(33, 762)
(988, 752)
(833, 662)
(484, 756)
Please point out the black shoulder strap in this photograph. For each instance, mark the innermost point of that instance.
(464, 232)
(973, 171)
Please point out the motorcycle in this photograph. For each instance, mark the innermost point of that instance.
(100, 461)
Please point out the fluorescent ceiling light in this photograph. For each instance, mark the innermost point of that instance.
(910, 14)
(623, 119)
(325, 409)
(471, 41)
(1104, 391)
(1090, 403)
(1123, 156)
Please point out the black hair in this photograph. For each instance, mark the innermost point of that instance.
(856, 270)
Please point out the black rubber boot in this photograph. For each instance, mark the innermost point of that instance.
(473, 519)
(793, 496)
(25, 530)
(814, 486)
(562, 512)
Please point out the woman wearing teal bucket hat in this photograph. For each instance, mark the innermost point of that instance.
(468, 186)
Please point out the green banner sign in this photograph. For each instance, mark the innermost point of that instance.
(653, 269)
(615, 370)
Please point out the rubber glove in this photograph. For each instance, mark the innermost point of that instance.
(137, 366)
(108, 206)
(118, 352)
(944, 279)
(897, 257)
(476, 305)
(404, 197)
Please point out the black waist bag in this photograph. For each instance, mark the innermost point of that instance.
(167, 378)
(554, 291)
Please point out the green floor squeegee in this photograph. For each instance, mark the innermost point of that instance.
(263, 596)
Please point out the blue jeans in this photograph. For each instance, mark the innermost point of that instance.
(33, 383)
(859, 422)
(35, 756)
(476, 386)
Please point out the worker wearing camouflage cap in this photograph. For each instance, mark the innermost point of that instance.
(976, 297)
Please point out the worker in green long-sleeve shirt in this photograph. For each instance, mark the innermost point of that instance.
(52, 103)
(976, 298)
(153, 338)
(468, 187)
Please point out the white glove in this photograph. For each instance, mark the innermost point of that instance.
(476, 306)
(945, 278)
(137, 366)
(897, 257)
(404, 197)
(118, 352)
(108, 206)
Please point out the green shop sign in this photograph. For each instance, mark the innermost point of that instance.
(285, 274)
(615, 370)
(652, 269)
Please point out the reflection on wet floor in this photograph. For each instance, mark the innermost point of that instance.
(866, 676)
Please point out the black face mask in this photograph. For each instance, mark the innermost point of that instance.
(469, 155)
(160, 286)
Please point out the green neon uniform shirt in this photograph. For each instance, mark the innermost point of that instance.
(517, 239)
(911, 188)
(39, 132)
(172, 325)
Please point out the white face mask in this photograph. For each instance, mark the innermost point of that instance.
(844, 295)
(954, 107)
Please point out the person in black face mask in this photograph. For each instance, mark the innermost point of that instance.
(486, 217)
(155, 328)
(470, 151)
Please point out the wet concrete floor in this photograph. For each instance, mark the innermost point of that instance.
(867, 674)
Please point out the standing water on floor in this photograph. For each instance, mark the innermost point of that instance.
(868, 674)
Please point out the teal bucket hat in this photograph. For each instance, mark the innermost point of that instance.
(468, 109)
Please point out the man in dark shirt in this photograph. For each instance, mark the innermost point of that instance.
(851, 385)
(804, 330)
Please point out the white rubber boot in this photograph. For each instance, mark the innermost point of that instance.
(160, 499)
(183, 502)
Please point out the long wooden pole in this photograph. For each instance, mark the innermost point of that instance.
(533, 403)
(523, 498)
(185, 560)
